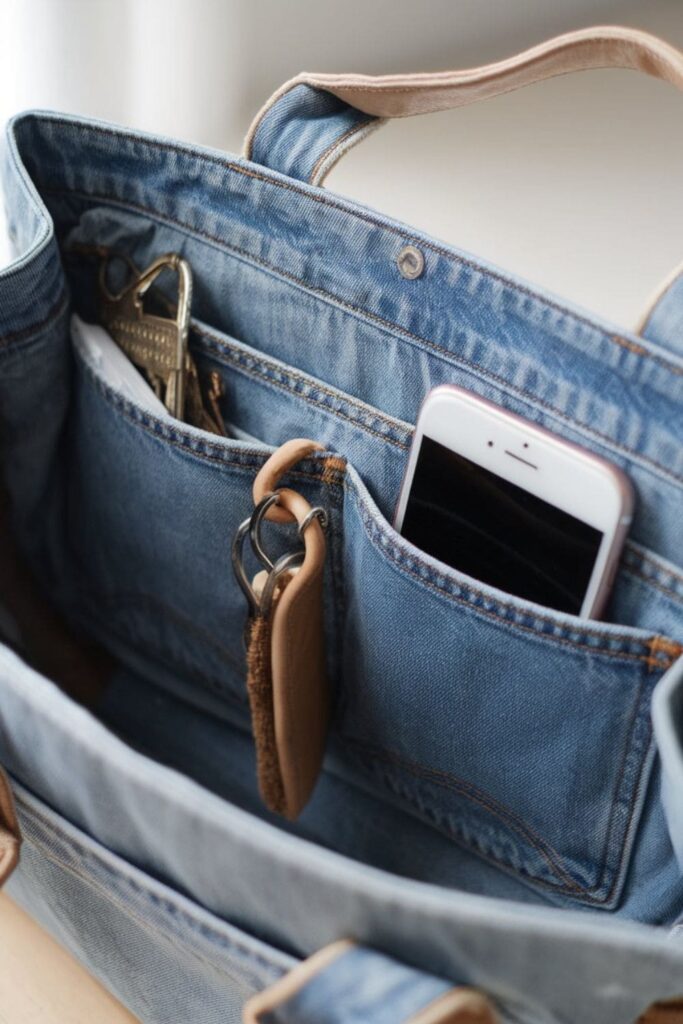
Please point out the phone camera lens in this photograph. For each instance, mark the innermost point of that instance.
(490, 444)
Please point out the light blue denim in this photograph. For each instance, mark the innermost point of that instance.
(490, 808)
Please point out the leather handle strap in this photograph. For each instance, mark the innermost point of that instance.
(10, 835)
(610, 46)
(344, 983)
(314, 118)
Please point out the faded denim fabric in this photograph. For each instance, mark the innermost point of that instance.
(490, 808)
(298, 134)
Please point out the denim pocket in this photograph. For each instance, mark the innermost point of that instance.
(522, 733)
(151, 508)
(180, 962)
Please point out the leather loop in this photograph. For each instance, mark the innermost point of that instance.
(272, 471)
(10, 835)
(343, 983)
(610, 46)
(314, 119)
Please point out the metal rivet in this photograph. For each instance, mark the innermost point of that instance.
(410, 262)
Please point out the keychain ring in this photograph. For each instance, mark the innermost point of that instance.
(318, 513)
(237, 558)
(285, 564)
(251, 525)
(257, 516)
(297, 507)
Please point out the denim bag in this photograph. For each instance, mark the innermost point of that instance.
(497, 831)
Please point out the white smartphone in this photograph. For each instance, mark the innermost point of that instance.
(513, 505)
(99, 351)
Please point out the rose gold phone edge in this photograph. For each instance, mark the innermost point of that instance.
(622, 485)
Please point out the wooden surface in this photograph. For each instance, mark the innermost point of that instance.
(40, 983)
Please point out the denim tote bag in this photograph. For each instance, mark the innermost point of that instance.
(496, 832)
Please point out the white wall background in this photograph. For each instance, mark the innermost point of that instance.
(199, 69)
(574, 183)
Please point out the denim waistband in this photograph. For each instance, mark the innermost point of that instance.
(627, 390)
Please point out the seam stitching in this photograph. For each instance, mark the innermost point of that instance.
(403, 566)
(325, 200)
(404, 563)
(669, 592)
(586, 894)
(504, 814)
(164, 903)
(25, 333)
(337, 144)
(268, 374)
(451, 358)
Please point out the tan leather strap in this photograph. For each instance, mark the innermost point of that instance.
(292, 982)
(286, 676)
(383, 96)
(277, 466)
(10, 835)
(459, 1005)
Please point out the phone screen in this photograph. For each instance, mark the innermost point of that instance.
(496, 532)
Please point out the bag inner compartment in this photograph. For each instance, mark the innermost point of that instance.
(126, 524)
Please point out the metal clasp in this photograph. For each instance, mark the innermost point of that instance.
(156, 344)
(260, 598)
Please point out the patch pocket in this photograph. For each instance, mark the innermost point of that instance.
(152, 508)
(523, 734)
(191, 965)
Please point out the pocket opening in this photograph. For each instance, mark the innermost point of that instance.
(116, 463)
(473, 635)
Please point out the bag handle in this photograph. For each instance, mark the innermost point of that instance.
(346, 983)
(313, 119)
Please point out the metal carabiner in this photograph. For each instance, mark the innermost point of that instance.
(237, 558)
(319, 513)
(252, 526)
(157, 344)
(260, 601)
(255, 528)
(284, 564)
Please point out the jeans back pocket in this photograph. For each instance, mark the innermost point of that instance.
(522, 733)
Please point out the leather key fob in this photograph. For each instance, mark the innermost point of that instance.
(286, 674)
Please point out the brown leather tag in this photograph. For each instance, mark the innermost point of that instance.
(287, 683)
